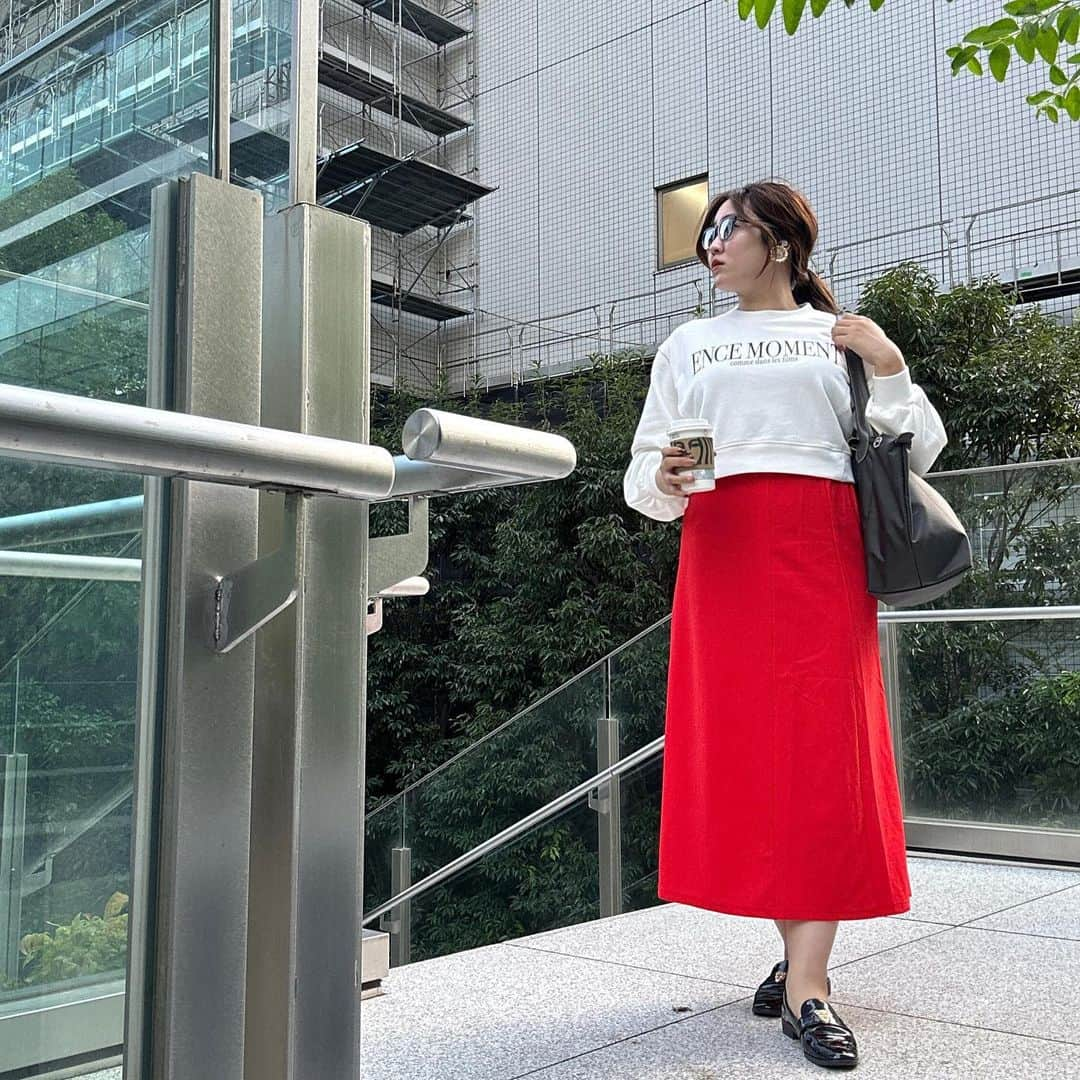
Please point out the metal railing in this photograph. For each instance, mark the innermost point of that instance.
(447, 453)
(604, 777)
(555, 343)
(537, 817)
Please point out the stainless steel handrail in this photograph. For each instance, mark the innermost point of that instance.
(111, 517)
(42, 425)
(537, 817)
(984, 614)
(76, 567)
(67, 429)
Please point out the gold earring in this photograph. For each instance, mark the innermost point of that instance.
(780, 252)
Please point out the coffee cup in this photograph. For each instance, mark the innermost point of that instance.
(693, 435)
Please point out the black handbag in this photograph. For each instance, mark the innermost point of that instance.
(916, 547)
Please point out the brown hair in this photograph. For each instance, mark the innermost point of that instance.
(782, 213)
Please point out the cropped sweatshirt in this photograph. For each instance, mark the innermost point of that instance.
(775, 388)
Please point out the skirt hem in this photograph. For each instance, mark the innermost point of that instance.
(735, 909)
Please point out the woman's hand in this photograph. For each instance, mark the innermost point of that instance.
(667, 479)
(869, 341)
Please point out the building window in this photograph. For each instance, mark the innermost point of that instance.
(678, 211)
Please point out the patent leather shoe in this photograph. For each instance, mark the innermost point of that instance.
(768, 994)
(826, 1039)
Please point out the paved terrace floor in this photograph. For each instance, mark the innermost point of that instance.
(981, 977)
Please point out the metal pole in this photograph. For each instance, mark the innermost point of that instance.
(303, 980)
(220, 87)
(200, 884)
(607, 804)
(398, 923)
(304, 102)
(12, 838)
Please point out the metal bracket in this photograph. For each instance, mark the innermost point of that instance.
(393, 558)
(600, 798)
(244, 601)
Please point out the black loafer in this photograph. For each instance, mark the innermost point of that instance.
(768, 994)
(826, 1039)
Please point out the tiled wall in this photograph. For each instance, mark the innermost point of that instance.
(586, 107)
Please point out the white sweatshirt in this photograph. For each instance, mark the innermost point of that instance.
(775, 388)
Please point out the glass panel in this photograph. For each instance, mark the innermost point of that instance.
(639, 687)
(990, 715)
(533, 758)
(985, 708)
(546, 878)
(383, 831)
(88, 127)
(68, 654)
(542, 753)
(1024, 525)
(640, 802)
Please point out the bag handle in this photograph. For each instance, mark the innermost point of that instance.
(860, 397)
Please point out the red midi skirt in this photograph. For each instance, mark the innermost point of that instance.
(780, 796)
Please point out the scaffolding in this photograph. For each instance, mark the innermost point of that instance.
(397, 146)
(396, 132)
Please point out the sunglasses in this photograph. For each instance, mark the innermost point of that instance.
(723, 228)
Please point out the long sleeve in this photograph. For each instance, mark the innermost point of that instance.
(896, 405)
(657, 414)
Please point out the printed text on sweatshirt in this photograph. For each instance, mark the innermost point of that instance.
(775, 389)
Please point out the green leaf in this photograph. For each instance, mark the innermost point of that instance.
(1040, 97)
(1025, 49)
(1028, 7)
(1072, 28)
(746, 7)
(999, 61)
(987, 35)
(1051, 112)
(974, 65)
(1047, 43)
(793, 13)
(763, 10)
(962, 56)
(818, 6)
(1066, 18)
(1057, 76)
(1072, 102)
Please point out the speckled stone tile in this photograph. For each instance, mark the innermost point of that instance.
(731, 1043)
(957, 891)
(1056, 915)
(494, 1012)
(108, 1074)
(1016, 983)
(704, 944)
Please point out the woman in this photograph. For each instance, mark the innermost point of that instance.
(780, 796)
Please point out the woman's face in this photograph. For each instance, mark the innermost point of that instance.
(736, 262)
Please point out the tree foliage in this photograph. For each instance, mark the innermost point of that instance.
(533, 584)
(1030, 29)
